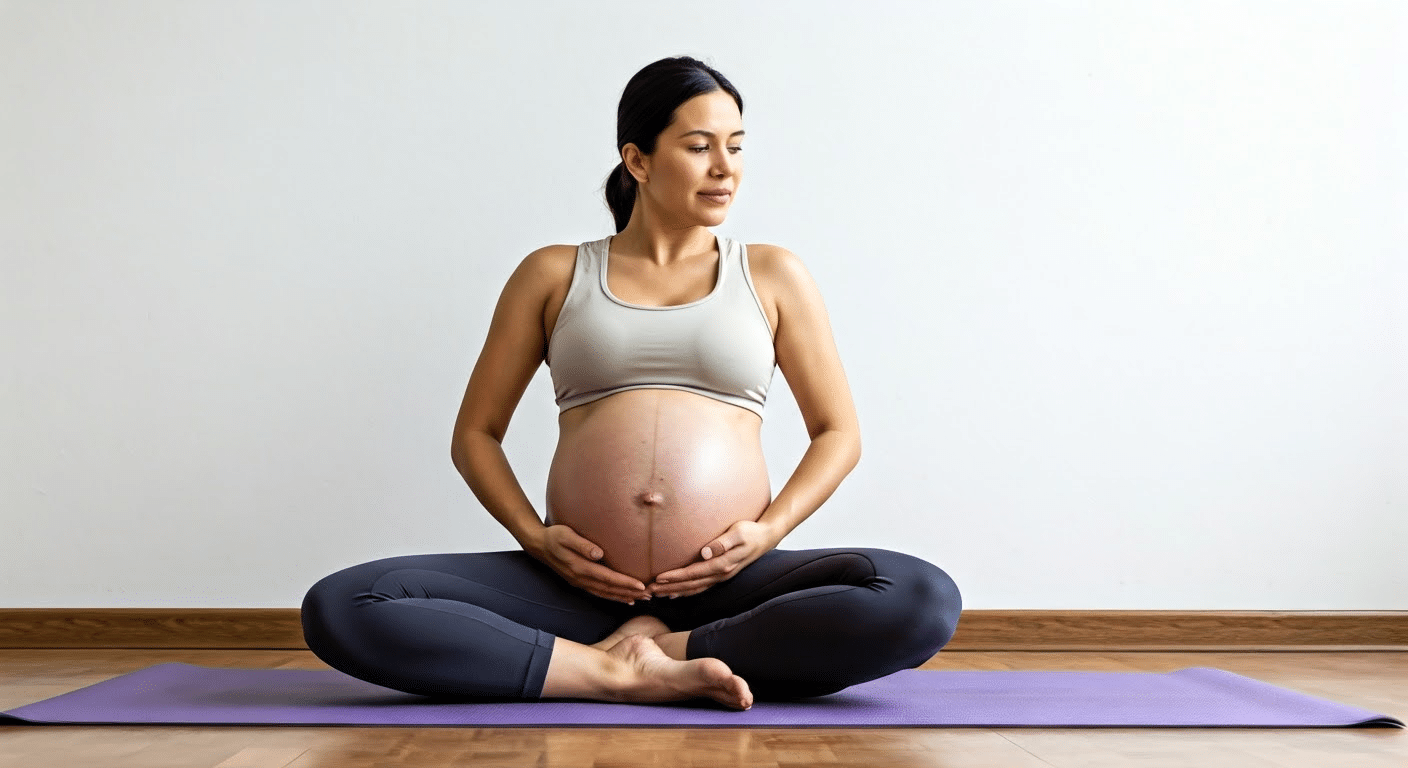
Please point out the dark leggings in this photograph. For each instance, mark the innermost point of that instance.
(794, 623)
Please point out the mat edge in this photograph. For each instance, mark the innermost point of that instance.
(1372, 719)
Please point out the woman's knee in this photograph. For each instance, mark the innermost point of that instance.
(329, 611)
(323, 603)
(927, 602)
(944, 603)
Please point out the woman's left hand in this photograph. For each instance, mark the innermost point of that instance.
(743, 542)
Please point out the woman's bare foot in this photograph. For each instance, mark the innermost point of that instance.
(648, 626)
(651, 676)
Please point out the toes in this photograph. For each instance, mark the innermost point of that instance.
(736, 695)
(742, 696)
(728, 688)
(745, 695)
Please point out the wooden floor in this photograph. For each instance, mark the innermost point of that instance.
(1373, 680)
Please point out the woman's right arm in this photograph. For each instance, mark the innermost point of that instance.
(513, 350)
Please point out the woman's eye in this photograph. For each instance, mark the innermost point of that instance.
(735, 150)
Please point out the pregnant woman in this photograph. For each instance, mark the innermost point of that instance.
(654, 575)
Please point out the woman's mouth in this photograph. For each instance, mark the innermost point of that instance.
(716, 198)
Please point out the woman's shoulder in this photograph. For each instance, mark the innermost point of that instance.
(550, 262)
(542, 273)
(775, 264)
(782, 281)
(553, 255)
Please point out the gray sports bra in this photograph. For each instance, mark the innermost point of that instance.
(719, 346)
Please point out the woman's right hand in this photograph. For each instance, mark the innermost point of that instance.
(575, 559)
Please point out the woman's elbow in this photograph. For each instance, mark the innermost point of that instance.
(466, 443)
(460, 447)
(456, 452)
(845, 443)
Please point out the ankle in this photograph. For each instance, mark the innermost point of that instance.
(614, 677)
(583, 672)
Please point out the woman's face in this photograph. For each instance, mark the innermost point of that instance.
(701, 151)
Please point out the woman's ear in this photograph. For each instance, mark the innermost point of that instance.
(637, 164)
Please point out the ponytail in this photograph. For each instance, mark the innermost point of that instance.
(621, 195)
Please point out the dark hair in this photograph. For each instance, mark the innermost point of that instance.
(647, 106)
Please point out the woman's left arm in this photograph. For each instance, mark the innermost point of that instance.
(807, 357)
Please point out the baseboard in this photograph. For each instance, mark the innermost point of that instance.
(252, 628)
(978, 630)
(1032, 630)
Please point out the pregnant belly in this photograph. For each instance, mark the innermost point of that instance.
(652, 476)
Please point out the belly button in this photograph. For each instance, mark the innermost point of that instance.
(651, 497)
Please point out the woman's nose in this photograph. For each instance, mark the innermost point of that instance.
(723, 163)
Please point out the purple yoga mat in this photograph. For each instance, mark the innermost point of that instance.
(177, 693)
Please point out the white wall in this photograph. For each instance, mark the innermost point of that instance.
(1119, 286)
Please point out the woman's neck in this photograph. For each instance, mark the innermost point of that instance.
(661, 246)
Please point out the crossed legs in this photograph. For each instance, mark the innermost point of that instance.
(502, 625)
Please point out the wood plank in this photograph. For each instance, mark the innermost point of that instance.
(1015, 630)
